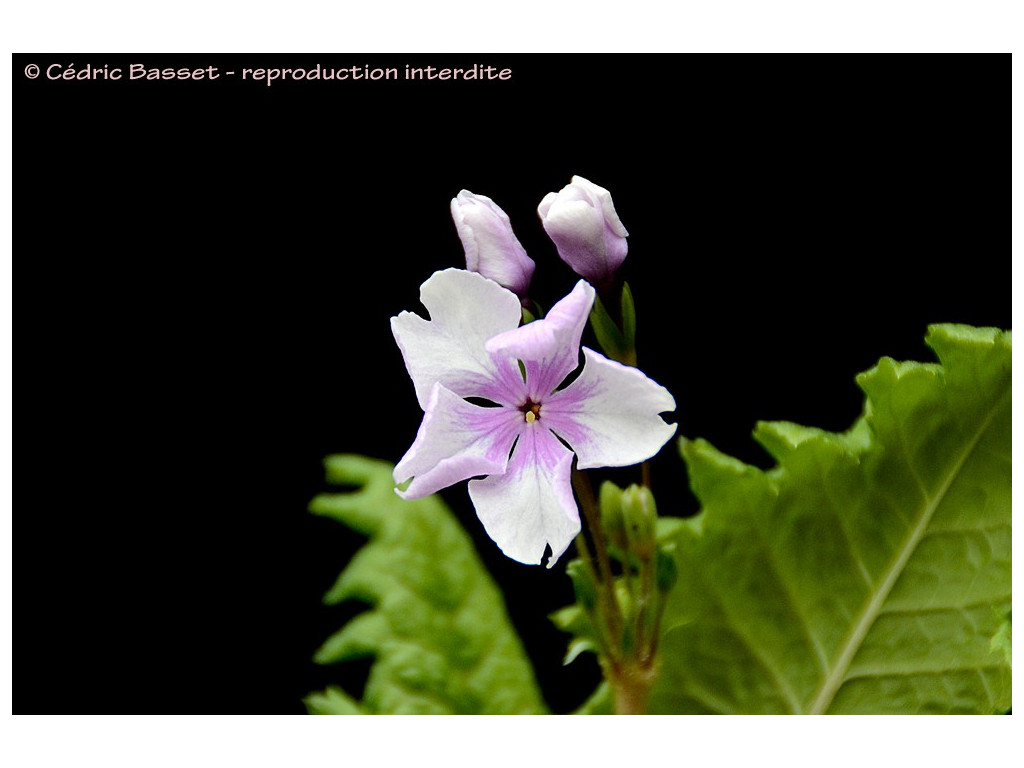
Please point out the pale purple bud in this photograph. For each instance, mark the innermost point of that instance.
(582, 222)
(491, 247)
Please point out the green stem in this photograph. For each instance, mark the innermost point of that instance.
(602, 632)
(644, 605)
(656, 630)
(631, 689)
(606, 582)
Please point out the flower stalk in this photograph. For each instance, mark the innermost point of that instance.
(628, 587)
(489, 367)
(610, 617)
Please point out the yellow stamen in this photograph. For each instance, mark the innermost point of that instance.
(530, 417)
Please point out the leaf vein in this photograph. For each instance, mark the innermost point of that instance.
(781, 684)
(963, 607)
(869, 613)
(877, 673)
(841, 524)
(965, 531)
(793, 604)
(707, 699)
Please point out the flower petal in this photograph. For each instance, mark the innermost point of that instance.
(466, 309)
(582, 222)
(549, 348)
(609, 414)
(604, 199)
(531, 505)
(456, 440)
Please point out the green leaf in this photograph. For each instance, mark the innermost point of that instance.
(437, 628)
(867, 572)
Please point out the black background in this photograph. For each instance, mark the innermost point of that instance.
(207, 270)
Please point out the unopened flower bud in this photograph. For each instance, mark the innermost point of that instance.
(611, 515)
(491, 247)
(640, 516)
(582, 222)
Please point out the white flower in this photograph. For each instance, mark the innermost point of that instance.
(472, 347)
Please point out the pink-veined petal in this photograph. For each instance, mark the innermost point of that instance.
(531, 505)
(456, 440)
(549, 348)
(466, 309)
(609, 414)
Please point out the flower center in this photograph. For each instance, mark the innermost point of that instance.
(531, 410)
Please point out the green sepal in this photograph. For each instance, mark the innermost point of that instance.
(577, 646)
(628, 320)
(575, 621)
(618, 343)
(609, 337)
